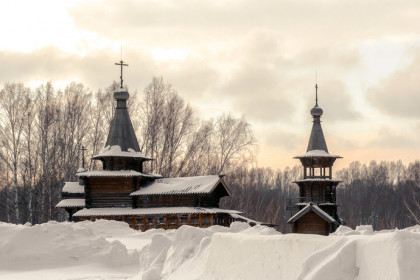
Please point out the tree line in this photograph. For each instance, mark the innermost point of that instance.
(42, 131)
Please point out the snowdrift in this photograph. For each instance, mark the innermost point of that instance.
(111, 250)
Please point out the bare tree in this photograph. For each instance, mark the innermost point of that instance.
(15, 102)
(48, 112)
(97, 136)
(198, 149)
(153, 112)
(234, 142)
(74, 126)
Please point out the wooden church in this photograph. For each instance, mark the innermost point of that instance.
(316, 205)
(124, 191)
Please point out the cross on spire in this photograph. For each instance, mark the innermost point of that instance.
(121, 77)
(316, 95)
(83, 149)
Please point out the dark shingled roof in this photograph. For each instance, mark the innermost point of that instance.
(317, 139)
(314, 208)
(121, 131)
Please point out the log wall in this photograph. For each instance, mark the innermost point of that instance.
(206, 200)
(169, 221)
(311, 223)
(110, 192)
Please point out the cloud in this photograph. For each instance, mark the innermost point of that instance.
(97, 69)
(399, 93)
(270, 86)
(389, 138)
(327, 23)
(336, 101)
(286, 140)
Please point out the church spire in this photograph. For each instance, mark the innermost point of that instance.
(121, 141)
(121, 131)
(317, 139)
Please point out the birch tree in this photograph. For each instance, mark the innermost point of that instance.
(234, 142)
(153, 111)
(14, 105)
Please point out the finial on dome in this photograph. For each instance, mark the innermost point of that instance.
(316, 111)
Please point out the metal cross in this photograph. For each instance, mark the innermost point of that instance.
(121, 77)
(83, 149)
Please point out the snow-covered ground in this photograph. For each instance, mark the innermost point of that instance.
(111, 250)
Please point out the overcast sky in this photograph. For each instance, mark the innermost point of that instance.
(256, 58)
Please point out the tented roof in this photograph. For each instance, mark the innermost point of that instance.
(122, 140)
(317, 139)
(121, 131)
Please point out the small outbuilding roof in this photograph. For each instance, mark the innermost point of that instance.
(314, 208)
(103, 212)
(73, 187)
(182, 185)
(71, 203)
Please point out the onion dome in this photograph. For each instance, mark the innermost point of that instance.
(316, 111)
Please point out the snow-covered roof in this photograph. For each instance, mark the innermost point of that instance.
(120, 173)
(72, 202)
(115, 151)
(182, 185)
(73, 187)
(243, 218)
(327, 204)
(102, 212)
(317, 153)
(317, 210)
(318, 180)
(81, 169)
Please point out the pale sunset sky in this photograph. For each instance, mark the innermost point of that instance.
(252, 58)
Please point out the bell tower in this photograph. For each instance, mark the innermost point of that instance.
(316, 204)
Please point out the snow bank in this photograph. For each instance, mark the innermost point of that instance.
(111, 250)
(57, 245)
(364, 254)
(242, 252)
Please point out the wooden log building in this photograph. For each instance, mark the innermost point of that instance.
(123, 191)
(316, 205)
